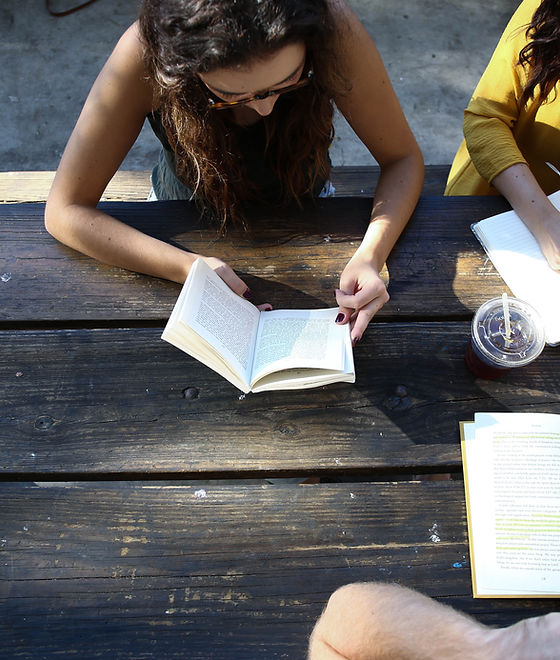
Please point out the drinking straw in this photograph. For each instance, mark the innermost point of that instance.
(505, 304)
(554, 169)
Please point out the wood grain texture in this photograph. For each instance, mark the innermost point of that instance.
(138, 571)
(34, 186)
(146, 568)
(361, 181)
(111, 402)
(291, 259)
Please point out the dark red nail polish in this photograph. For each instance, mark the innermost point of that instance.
(339, 318)
(248, 294)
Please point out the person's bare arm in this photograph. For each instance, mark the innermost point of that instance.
(373, 111)
(376, 621)
(518, 185)
(108, 125)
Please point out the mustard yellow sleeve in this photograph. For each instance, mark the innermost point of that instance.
(494, 108)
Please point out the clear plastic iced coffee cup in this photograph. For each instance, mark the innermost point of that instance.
(503, 339)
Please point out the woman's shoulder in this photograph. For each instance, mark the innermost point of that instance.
(514, 37)
(344, 17)
(520, 19)
(338, 7)
(351, 35)
(526, 9)
(129, 50)
(126, 68)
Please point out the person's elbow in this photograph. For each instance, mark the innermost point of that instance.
(410, 165)
(51, 218)
(408, 156)
(57, 218)
(416, 157)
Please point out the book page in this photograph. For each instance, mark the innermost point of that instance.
(518, 258)
(298, 379)
(513, 468)
(299, 339)
(224, 319)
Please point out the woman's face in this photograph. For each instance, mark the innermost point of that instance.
(282, 68)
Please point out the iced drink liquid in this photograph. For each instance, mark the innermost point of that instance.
(479, 366)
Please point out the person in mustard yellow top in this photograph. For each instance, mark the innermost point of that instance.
(512, 125)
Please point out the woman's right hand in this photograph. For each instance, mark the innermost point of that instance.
(234, 282)
(229, 276)
(548, 238)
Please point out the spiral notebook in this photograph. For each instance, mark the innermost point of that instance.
(516, 255)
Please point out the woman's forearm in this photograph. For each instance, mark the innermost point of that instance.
(102, 237)
(518, 185)
(395, 198)
(361, 291)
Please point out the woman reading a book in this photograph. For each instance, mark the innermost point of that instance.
(512, 125)
(241, 94)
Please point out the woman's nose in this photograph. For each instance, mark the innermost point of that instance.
(264, 106)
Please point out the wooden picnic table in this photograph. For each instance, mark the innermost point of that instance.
(140, 513)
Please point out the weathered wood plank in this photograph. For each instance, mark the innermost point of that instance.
(110, 402)
(136, 570)
(361, 181)
(134, 186)
(34, 186)
(292, 259)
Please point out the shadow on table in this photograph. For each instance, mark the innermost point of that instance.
(411, 377)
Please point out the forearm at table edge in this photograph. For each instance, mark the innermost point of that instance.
(98, 235)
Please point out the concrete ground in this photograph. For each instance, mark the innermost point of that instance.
(434, 52)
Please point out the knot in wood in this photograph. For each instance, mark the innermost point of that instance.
(392, 402)
(43, 422)
(400, 401)
(288, 429)
(190, 393)
(400, 390)
(406, 403)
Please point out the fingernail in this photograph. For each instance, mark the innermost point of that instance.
(355, 340)
(248, 294)
(339, 318)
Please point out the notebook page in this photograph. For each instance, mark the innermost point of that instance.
(517, 256)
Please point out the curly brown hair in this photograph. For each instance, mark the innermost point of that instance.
(183, 38)
(542, 54)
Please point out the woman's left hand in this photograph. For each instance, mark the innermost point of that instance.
(361, 295)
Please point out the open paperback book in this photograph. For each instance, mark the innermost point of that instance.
(518, 258)
(257, 351)
(511, 464)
